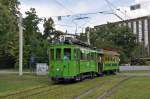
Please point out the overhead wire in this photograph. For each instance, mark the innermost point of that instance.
(64, 25)
(63, 6)
(113, 7)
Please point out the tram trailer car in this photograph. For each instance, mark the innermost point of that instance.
(74, 62)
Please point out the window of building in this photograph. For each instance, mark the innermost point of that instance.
(134, 7)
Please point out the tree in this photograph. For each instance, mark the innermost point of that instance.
(8, 31)
(9, 11)
(50, 33)
(35, 45)
(31, 32)
(31, 24)
(124, 38)
(112, 36)
(48, 28)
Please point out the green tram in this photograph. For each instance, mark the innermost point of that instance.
(75, 62)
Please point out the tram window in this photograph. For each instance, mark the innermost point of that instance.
(83, 56)
(110, 58)
(103, 58)
(58, 54)
(92, 56)
(106, 59)
(76, 56)
(89, 56)
(115, 59)
(51, 54)
(67, 54)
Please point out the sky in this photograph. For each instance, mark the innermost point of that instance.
(54, 8)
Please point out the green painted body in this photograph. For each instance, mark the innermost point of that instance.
(110, 65)
(74, 67)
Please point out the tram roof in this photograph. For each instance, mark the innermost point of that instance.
(85, 49)
(111, 53)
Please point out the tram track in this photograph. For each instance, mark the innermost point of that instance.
(45, 90)
(34, 90)
(90, 90)
(19, 92)
(113, 89)
(48, 90)
(104, 94)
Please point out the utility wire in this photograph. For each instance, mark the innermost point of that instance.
(90, 13)
(123, 12)
(63, 25)
(62, 5)
(109, 5)
(113, 7)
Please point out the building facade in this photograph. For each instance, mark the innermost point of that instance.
(139, 26)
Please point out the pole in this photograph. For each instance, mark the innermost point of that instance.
(20, 45)
(88, 36)
(125, 15)
(76, 29)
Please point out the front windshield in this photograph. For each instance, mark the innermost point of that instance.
(67, 54)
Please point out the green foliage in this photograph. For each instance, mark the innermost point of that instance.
(35, 46)
(8, 31)
(31, 22)
(6, 24)
(83, 37)
(50, 33)
(112, 36)
(48, 28)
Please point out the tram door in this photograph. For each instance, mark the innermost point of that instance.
(66, 60)
(77, 60)
(100, 64)
(58, 62)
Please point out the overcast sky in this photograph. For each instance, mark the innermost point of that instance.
(48, 8)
